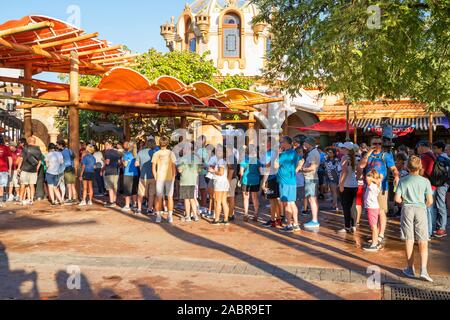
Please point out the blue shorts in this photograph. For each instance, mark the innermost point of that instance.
(311, 188)
(288, 193)
(52, 179)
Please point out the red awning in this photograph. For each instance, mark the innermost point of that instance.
(329, 126)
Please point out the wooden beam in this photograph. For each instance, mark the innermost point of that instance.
(30, 27)
(95, 51)
(74, 117)
(27, 114)
(48, 55)
(66, 41)
(35, 83)
(115, 59)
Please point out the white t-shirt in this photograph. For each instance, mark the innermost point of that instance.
(54, 160)
(221, 182)
(371, 197)
(99, 158)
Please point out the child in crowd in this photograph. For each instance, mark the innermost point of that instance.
(87, 175)
(372, 206)
(416, 195)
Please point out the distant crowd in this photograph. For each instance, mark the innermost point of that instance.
(292, 174)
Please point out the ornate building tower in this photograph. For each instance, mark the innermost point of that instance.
(223, 28)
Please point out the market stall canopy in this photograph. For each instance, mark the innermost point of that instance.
(339, 125)
(46, 44)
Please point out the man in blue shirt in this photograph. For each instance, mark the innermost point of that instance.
(69, 172)
(381, 161)
(288, 164)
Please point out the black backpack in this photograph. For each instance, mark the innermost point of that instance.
(441, 172)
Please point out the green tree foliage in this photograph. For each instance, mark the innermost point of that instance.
(340, 47)
(187, 66)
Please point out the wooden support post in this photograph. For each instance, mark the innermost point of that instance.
(431, 127)
(355, 133)
(27, 116)
(74, 118)
(183, 123)
(126, 129)
(251, 118)
(347, 117)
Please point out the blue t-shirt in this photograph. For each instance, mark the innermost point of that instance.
(251, 176)
(144, 158)
(288, 164)
(67, 156)
(89, 161)
(269, 159)
(376, 162)
(130, 170)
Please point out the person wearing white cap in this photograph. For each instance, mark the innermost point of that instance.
(348, 186)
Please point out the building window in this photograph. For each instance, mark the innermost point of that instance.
(268, 46)
(190, 42)
(231, 36)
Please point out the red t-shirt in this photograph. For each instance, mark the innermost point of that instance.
(5, 153)
(428, 160)
(15, 155)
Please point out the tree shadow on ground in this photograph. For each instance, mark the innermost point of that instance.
(31, 223)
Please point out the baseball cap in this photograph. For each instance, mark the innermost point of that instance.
(348, 145)
(12, 144)
(311, 141)
(423, 143)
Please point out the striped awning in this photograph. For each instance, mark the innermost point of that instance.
(416, 123)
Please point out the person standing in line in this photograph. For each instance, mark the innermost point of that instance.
(233, 170)
(130, 177)
(300, 183)
(348, 187)
(29, 164)
(69, 173)
(271, 188)
(147, 182)
(61, 186)
(309, 171)
(221, 187)
(373, 180)
(189, 167)
(441, 180)
(164, 170)
(6, 165)
(415, 194)
(381, 162)
(53, 160)
(87, 175)
(250, 171)
(13, 182)
(333, 170)
(99, 164)
(110, 173)
(202, 153)
(288, 164)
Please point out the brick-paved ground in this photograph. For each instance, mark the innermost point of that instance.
(129, 257)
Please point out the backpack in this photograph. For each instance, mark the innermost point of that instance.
(441, 172)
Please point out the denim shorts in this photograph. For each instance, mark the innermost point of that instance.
(311, 188)
(288, 193)
(4, 177)
(52, 179)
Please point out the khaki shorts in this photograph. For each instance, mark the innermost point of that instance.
(111, 182)
(13, 181)
(383, 201)
(165, 188)
(69, 177)
(233, 186)
(28, 178)
(414, 224)
(147, 187)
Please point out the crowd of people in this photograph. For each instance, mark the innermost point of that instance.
(292, 174)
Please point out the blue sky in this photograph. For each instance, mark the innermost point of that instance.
(134, 23)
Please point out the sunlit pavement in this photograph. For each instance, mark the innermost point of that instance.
(97, 253)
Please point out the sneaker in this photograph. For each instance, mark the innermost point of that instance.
(82, 204)
(288, 229)
(126, 209)
(170, 218)
(225, 223)
(158, 218)
(68, 203)
(440, 233)
(279, 223)
(372, 248)
(196, 219)
(184, 219)
(53, 204)
(215, 223)
(10, 198)
(232, 218)
(312, 225)
(409, 272)
(297, 228)
(90, 203)
(1, 204)
(138, 212)
(425, 276)
(150, 212)
(343, 230)
(353, 230)
(110, 205)
(306, 213)
(268, 224)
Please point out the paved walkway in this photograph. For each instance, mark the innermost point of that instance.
(124, 256)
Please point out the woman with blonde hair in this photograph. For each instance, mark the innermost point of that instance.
(221, 187)
(87, 175)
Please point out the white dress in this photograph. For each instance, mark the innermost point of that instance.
(221, 183)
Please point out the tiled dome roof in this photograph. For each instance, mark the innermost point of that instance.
(206, 6)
